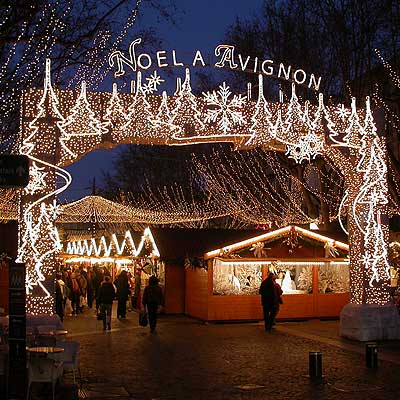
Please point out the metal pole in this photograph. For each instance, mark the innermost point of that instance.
(371, 355)
(315, 364)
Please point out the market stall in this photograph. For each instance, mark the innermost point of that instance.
(119, 252)
(312, 269)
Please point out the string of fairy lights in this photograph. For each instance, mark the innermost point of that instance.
(42, 33)
(65, 125)
(94, 72)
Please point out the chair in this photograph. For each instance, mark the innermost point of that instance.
(70, 357)
(45, 328)
(44, 370)
(45, 340)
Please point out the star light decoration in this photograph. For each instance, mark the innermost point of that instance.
(58, 127)
(36, 179)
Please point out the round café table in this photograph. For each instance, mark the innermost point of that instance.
(44, 350)
(56, 332)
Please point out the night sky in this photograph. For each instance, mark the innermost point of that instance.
(201, 25)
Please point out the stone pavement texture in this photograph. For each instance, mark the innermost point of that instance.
(188, 359)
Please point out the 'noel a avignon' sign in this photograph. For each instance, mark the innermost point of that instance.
(225, 57)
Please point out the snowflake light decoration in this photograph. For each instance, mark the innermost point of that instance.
(153, 82)
(54, 209)
(308, 146)
(225, 112)
(342, 112)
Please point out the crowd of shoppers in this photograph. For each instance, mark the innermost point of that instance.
(78, 287)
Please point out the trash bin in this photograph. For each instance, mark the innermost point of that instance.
(315, 364)
(371, 355)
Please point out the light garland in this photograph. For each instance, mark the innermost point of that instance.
(105, 248)
(273, 234)
(214, 117)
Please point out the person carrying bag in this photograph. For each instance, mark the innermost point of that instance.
(143, 320)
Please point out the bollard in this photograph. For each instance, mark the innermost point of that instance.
(371, 355)
(315, 364)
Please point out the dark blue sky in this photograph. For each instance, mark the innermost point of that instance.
(201, 25)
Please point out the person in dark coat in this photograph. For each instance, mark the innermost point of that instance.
(105, 298)
(97, 280)
(152, 299)
(268, 295)
(122, 285)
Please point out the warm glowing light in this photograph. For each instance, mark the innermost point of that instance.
(271, 235)
(65, 125)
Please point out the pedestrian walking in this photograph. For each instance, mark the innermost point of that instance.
(105, 298)
(122, 285)
(97, 280)
(267, 292)
(90, 287)
(75, 293)
(152, 299)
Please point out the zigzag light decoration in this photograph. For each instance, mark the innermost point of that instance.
(104, 249)
(113, 247)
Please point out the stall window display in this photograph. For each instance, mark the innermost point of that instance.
(236, 278)
(333, 277)
(294, 277)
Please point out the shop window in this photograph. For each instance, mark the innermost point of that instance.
(333, 277)
(235, 278)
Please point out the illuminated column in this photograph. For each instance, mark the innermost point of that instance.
(38, 238)
(369, 316)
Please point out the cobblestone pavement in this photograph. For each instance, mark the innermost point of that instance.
(188, 359)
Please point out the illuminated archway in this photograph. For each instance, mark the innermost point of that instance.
(59, 127)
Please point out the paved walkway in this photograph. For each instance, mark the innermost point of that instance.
(188, 359)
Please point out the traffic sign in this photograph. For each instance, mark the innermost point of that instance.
(14, 171)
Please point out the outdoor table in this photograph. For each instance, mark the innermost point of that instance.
(57, 332)
(44, 350)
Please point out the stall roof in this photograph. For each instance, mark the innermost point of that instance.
(323, 237)
(174, 243)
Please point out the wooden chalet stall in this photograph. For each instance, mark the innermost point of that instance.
(312, 269)
(181, 252)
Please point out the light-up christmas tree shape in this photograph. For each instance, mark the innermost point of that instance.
(139, 114)
(81, 130)
(261, 128)
(303, 135)
(372, 163)
(293, 126)
(337, 121)
(380, 264)
(41, 140)
(115, 117)
(352, 132)
(186, 113)
(162, 122)
(371, 198)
